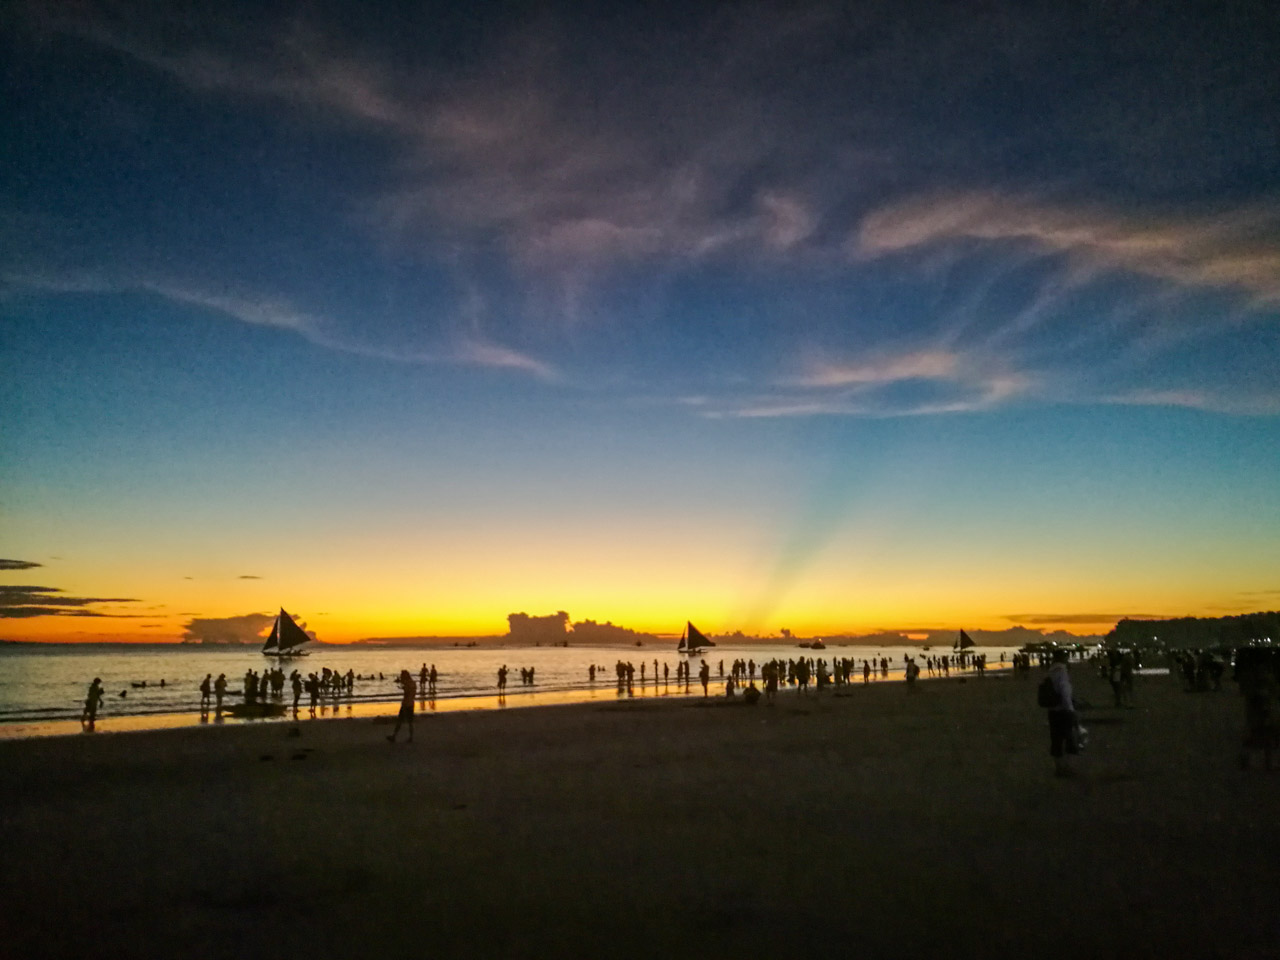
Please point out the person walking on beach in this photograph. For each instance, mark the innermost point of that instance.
(296, 683)
(220, 690)
(206, 689)
(912, 671)
(1062, 715)
(92, 701)
(704, 674)
(407, 691)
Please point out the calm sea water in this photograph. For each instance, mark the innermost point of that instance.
(49, 682)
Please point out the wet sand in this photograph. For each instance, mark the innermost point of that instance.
(880, 823)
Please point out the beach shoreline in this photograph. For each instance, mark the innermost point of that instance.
(466, 684)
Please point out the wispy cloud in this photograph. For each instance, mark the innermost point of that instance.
(277, 313)
(1254, 405)
(21, 602)
(925, 365)
(1235, 249)
(542, 169)
(18, 565)
(915, 383)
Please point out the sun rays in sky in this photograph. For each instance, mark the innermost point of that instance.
(894, 318)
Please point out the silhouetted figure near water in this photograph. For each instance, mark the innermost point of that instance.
(704, 674)
(431, 679)
(92, 701)
(206, 690)
(296, 682)
(406, 705)
(666, 673)
(220, 690)
(591, 673)
(502, 679)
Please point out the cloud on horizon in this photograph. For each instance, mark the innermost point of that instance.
(19, 565)
(1085, 619)
(245, 629)
(23, 602)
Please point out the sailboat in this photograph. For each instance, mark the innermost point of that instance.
(963, 642)
(286, 637)
(692, 640)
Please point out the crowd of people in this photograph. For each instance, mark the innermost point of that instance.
(801, 673)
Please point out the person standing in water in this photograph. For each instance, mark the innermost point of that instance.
(206, 689)
(407, 691)
(91, 703)
(704, 674)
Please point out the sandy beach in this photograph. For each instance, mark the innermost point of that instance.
(878, 822)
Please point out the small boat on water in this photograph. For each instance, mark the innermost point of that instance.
(692, 640)
(286, 638)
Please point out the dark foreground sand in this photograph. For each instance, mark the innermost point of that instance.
(876, 824)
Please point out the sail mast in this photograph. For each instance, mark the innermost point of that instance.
(273, 641)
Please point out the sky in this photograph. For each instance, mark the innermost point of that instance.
(833, 318)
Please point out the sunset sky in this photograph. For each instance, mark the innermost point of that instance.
(405, 317)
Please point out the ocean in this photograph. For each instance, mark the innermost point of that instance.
(43, 686)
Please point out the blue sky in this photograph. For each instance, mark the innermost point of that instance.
(825, 291)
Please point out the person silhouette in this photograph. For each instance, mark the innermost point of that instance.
(704, 674)
(91, 703)
(407, 691)
(205, 691)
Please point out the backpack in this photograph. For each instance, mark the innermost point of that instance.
(1046, 694)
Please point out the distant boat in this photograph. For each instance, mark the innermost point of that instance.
(286, 638)
(817, 645)
(963, 642)
(692, 640)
